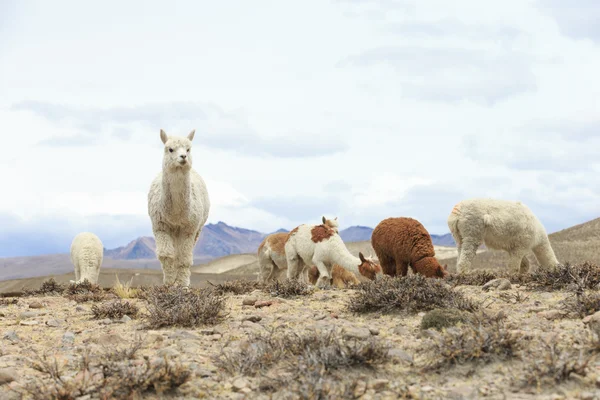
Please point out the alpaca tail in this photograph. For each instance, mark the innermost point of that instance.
(453, 225)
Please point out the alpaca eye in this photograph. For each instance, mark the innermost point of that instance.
(188, 150)
(170, 149)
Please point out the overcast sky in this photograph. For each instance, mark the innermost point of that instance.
(351, 108)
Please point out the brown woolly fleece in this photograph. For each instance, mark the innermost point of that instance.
(341, 278)
(276, 242)
(321, 232)
(400, 242)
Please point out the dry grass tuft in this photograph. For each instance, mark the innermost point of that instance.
(48, 288)
(483, 339)
(115, 309)
(185, 307)
(236, 287)
(288, 288)
(7, 301)
(444, 318)
(567, 276)
(84, 292)
(125, 291)
(412, 293)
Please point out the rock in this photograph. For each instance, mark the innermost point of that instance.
(334, 315)
(498, 284)
(400, 355)
(11, 336)
(187, 335)
(29, 323)
(374, 331)
(261, 304)
(55, 323)
(401, 330)
(168, 352)
(252, 318)
(29, 314)
(239, 384)
(360, 388)
(319, 317)
(352, 332)
(68, 338)
(108, 339)
(7, 375)
(105, 321)
(552, 314)
(378, 384)
(249, 301)
(443, 318)
(79, 309)
(36, 304)
(126, 318)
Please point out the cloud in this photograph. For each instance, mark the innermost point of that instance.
(452, 27)
(451, 74)
(576, 19)
(215, 128)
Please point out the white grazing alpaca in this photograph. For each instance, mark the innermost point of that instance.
(320, 245)
(87, 252)
(501, 225)
(178, 206)
(271, 254)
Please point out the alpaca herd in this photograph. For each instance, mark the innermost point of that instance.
(178, 206)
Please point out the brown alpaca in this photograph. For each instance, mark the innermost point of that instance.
(341, 277)
(400, 242)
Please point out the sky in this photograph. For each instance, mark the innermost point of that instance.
(360, 109)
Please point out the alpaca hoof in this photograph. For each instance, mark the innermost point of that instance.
(324, 282)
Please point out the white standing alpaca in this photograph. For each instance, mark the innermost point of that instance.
(321, 246)
(87, 253)
(271, 254)
(178, 206)
(501, 225)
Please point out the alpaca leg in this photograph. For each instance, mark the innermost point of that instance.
(524, 265)
(388, 264)
(515, 260)
(294, 264)
(169, 273)
(77, 272)
(402, 268)
(467, 254)
(324, 280)
(545, 255)
(184, 259)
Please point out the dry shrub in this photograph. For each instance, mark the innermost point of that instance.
(444, 318)
(185, 307)
(236, 287)
(6, 301)
(100, 378)
(124, 291)
(291, 352)
(288, 288)
(115, 309)
(412, 293)
(85, 291)
(481, 277)
(48, 288)
(483, 339)
(513, 298)
(567, 276)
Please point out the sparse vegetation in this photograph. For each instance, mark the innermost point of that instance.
(84, 292)
(513, 298)
(483, 340)
(288, 288)
(411, 293)
(115, 309)
(567, 276)
(236, 287)
(444, 318)
(7, 301)
(48, 288)
(125, 291)
(185, 307)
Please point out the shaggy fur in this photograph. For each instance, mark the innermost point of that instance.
(178, 206)
(332, 223)
(400, 242)
(320, 233)
(341, 278)
(87, 252)
(302, 253)
(501, 225)
(271, 257)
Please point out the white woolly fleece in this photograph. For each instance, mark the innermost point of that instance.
(87, 253)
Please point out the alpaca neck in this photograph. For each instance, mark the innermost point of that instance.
(177, 189)
(348, 261)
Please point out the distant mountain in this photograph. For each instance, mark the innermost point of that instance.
(140, 248)
(443, 240)
(356, 234)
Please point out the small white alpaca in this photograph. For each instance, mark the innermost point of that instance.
(178, 206)
(87, 253)
(501, 225)
(271, 254)
(321, 246)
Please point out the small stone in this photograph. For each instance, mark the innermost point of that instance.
(11, 336)
(252, 318)
(29, 314)
(249, 301)
(68, 338)
(106, 321)
(108, 339)
(261, 304)
(498, 284)
(356, 333)
(79, 309)
(239, 384)
(587, 396)
(334, 315)
(426, 389)
(7, 375)
(246, 390)
(401, 330)
(319, 317)
(36, 304)
(126, 318)
(360, 388)
(378, 384)
(55, 323)
(551, 314)
(374, 331)
(400, 355)
(29, 322)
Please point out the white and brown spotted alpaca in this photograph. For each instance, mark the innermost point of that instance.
(320, 245)
(271, 253)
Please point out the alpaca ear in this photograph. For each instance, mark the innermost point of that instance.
(323, 219)
(190, 135)
(335, 218)
(163, 136)
(362, 258)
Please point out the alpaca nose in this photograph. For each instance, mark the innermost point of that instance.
(183, 156)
